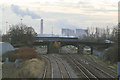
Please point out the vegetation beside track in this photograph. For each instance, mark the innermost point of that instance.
(29, 66)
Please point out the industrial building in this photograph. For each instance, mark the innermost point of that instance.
(77, 33)
(81, 33)
(68, 32)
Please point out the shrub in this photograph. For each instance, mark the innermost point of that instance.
(112, 54)
(21, 53)
(30, 68)
(26, 53)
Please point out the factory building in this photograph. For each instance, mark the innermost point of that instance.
(80, 33)
(68, 32)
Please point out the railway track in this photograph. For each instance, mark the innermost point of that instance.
(100, 64)
(65, 72)
(94, 68)
(48, 70)
(107, 73)
(63, 69)
(103, 71)
(57, 68)
(86, 74)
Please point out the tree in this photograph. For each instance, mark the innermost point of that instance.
(112, 54)
(114, 35)
(22, 34)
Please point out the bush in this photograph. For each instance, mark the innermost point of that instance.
(21, 53)
(26, 53)
(30, 68)
(112, 54)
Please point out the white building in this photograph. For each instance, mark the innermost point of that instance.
(68, 32)
(81, 33)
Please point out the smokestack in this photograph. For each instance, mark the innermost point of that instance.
(41, 26)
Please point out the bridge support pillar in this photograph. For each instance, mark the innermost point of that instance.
(53, 47)
(48, 49)
(80, 49)
(91, 51)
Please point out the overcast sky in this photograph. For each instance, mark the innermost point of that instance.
(59, 14)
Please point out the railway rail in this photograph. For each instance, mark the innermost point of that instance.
(101, 65)
(107, 72)
(56, 67)
(94, 69)
(63, 69)
(48, 70)
(87, 74)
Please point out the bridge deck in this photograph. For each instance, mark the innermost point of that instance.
(67, 40)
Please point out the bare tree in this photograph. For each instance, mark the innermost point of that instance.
(22, 34)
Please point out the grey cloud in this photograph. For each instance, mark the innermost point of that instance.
(91, 8)
(81, 20)
(64, 23)
(83, 4)
(16, 9)
(103, 10)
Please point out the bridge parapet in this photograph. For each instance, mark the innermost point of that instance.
(59, 39)
(70, 41)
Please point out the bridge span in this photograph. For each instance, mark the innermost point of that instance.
(64, 41)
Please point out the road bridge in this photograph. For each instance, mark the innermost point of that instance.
(50, 42)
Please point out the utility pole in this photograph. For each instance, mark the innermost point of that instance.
(21, 20)
(9, 26)
(52, 31)
(6, 27)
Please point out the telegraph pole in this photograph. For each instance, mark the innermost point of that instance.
(21, 20)
(52, 31)
(6, 27)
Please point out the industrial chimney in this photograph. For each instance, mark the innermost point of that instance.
(41, 26)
